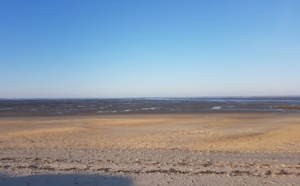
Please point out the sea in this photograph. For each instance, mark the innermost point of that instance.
(79, 107)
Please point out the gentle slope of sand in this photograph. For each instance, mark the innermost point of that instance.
(214, 132)
(175, 149)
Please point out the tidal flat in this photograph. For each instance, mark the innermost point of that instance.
(151, 149)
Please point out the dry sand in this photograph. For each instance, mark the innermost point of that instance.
(178, 149)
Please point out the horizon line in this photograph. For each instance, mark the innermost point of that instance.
(153, 97)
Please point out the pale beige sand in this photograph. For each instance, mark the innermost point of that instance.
(215, 132)
(182, 149)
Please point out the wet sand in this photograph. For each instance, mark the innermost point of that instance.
(164, 149)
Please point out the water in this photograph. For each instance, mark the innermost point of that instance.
(56, 107)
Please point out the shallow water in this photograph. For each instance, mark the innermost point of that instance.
(55, 107)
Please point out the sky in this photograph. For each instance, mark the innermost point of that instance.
(149, 48)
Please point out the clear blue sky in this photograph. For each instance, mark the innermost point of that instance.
(149, 48)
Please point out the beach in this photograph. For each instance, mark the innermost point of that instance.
(149, 93)
(151, 149)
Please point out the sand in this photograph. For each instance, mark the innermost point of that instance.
(153, 149)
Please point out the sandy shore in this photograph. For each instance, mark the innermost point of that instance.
(175, 149)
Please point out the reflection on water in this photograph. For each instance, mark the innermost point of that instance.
(55, 107)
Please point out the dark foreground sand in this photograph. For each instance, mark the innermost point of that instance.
(182, 149)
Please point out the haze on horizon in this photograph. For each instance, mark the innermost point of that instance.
(172, 48)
